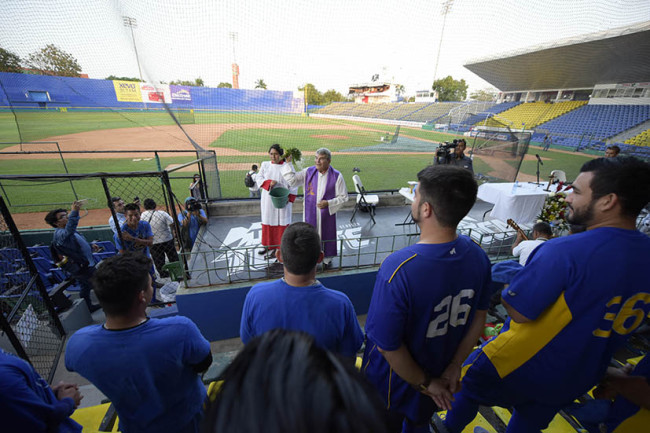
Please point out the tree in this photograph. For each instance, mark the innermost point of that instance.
(51, 60)
(399, 89)
(196, 83)
(114, 78)
(488, 94)
(260, 84)
(450, 90)
(9, 62)
(312, 95)
(226, 85)
(332, 96)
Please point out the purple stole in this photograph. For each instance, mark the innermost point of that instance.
(327, 221)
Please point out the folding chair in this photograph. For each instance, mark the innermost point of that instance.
(364, 201)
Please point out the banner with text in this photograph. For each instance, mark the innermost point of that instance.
(127, 91)
(155, 93)
(180, 94)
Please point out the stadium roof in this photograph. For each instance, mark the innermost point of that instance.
(614, 56)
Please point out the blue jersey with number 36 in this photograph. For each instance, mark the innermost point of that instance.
(425, 297)
(585, 294)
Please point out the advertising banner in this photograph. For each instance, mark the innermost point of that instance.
(155, 93)
(180, 94)
(127, 91)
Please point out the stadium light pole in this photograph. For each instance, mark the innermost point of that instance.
(446, 7)
(131, 23)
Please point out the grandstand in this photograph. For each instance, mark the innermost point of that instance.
(595, 122)
(643, 139)
(529, 115)
(479, 118)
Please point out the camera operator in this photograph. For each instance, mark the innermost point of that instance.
(191, 219)
(444, 155)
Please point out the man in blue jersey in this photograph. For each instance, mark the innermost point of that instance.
(574, 303)
(429, 304)
(136, 234)
(148, 368)
(299, 302)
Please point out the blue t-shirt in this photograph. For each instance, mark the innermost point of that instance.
(327, 315)
(28, 404)
(146, 371)
(425, 297)
(143, 231)
(69, 242)
(585, 294)
(194, 224)
(625, 416)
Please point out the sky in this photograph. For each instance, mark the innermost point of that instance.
(287, 43)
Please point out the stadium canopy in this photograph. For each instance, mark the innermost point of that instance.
(614, 56)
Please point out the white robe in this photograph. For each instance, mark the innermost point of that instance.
(271, 215)
(297, 179)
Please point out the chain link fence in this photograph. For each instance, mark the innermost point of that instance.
(29, 324)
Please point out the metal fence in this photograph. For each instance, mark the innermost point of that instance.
(28, 321)
(222, 266)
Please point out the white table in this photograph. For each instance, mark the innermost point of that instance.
(407, 193)
(523, 206)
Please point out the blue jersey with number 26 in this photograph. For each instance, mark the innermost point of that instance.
(425, 297)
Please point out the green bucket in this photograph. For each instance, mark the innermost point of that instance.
(279, 197)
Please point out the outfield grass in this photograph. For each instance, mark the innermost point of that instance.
(40, 124)
(379, 172)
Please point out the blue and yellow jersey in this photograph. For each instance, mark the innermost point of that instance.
(625, 416)
(584, 295)
(425, 297)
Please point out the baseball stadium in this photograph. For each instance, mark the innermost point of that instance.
(122, 131)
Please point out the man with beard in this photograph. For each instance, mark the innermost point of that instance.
(569, 311)
(428, 305)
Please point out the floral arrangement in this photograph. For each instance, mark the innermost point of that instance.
(554, 211)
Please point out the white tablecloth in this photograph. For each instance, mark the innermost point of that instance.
(407, 194)
(523, 206)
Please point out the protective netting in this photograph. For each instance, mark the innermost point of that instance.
(28, 326)
(235, 77)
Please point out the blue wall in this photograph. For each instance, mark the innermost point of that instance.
(217, 313)
(87, 93)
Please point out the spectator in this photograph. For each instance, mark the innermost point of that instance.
(612, 151)
(196, 187)
(325, 193)
(428, 307)
(299, 301)
(568, 311)
(136, 234)
(523, 248)
(163, 240)
(28, 404)
(118, 205)
(148, 368)
(191, 219)
(253, 191)
(67, 242)
(274, 221)
(283, 381)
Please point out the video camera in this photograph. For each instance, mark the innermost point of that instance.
(444, 151)
(192, 205)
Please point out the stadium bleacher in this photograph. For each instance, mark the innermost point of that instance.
(592, 124)
(436, 112)
(531, 114)
(478, 118)
(642, 139)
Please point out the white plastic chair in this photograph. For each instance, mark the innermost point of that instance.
(364, 200)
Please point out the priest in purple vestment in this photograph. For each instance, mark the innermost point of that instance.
(325, 193)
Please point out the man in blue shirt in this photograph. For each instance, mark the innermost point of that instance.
(29, 404)
(148, 368)
(191, 219)
(571, 307)
(71, 244)
(429, 304)
(299, 302)
(136, 234)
